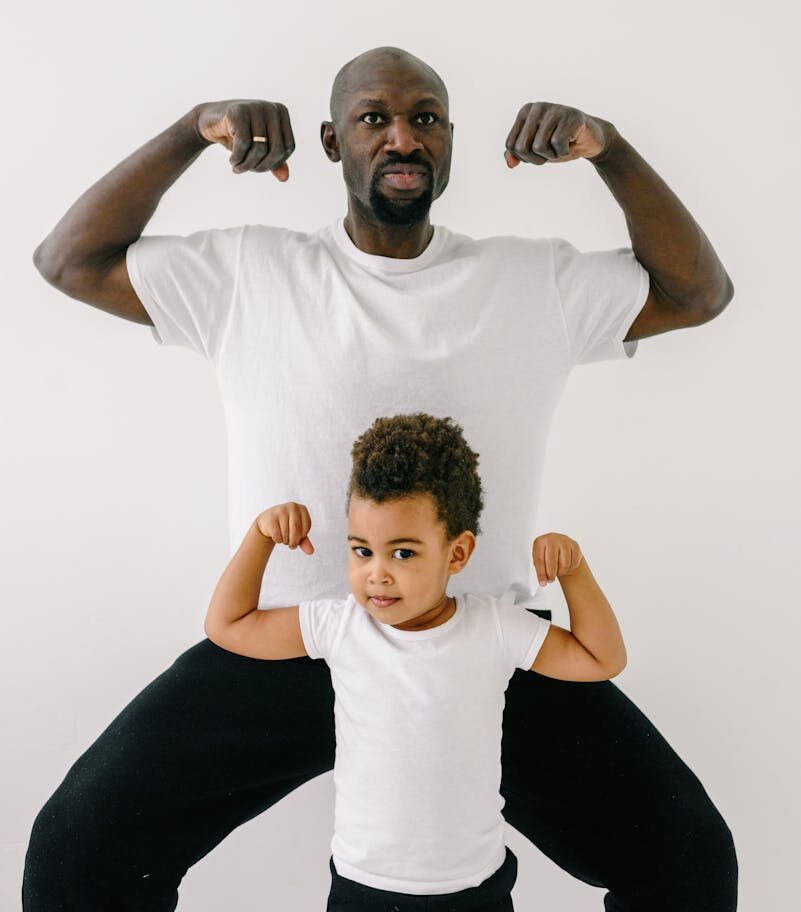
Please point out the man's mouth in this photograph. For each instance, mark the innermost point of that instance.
(404, 177)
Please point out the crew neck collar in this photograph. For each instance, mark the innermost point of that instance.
(384, 264)
(425, 634)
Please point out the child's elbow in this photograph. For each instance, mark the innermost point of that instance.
(613, 666)
(618, 667)
(213, 632)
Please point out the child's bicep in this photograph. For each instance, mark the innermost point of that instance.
(270, 633)
(562, 656)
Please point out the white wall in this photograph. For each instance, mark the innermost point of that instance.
(677, 471)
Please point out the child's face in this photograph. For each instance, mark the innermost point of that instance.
(399, 549)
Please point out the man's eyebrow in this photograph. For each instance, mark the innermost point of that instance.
(381, 103)
(395, 541)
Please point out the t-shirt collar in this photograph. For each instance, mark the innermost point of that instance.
(389, 264)
(442, 629)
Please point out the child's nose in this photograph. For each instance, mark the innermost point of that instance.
(378, 571)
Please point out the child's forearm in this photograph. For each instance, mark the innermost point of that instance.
(237, 592)
(592, 621)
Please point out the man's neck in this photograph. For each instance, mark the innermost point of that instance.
(403, 242)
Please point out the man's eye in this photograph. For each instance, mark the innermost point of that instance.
(434, 118)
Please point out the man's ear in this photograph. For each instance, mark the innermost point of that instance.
(328, 137)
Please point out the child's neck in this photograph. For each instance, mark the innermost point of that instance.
(447, 608)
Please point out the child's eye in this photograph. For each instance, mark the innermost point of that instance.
(406, 551)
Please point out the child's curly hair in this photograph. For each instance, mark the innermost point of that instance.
(403, 455)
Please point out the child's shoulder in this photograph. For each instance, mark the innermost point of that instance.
(332, 603)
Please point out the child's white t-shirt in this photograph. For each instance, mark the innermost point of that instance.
(312, 339)
(418, 731)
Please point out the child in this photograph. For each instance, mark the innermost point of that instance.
(419, 676)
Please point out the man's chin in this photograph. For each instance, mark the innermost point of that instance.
(401, 211)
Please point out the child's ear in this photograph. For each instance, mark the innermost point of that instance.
(461, 549)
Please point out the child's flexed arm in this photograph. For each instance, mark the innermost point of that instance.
(233, 621)
(593, 648)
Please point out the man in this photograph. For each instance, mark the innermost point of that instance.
(312, 336)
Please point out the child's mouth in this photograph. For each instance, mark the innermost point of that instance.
(383, 603)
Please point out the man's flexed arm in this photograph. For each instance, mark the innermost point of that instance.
(689, 284)
(84, 255)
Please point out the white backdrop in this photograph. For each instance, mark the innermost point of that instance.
(677, 471)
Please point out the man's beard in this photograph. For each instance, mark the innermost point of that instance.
(400, 212)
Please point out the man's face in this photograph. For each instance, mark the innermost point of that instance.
(395, 144)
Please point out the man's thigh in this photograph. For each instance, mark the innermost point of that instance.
(593, 784)
(209, 744)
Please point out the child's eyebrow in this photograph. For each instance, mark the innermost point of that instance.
(395, 541)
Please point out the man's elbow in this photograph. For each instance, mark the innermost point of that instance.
(714, 304)
(53, 266)
(43, 264)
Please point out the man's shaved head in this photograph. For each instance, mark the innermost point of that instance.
(356, 71)
(389, 110)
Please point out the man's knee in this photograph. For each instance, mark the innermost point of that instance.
(62, 850)
(696, 869)
(709, 859)
(77, 833)
(703, 860)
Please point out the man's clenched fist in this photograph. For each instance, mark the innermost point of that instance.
(547, 132)
(257, 133)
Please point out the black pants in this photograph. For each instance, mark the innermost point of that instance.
(218, 738)
(492, 895)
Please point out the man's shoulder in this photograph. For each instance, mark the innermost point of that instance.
(497, 245)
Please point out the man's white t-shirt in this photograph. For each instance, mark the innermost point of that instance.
(312, 339)
(418, 738)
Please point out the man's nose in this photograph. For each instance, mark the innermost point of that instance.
(401, 137)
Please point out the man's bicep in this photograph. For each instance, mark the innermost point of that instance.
(563, 657)
(105, 285)
(660, 314)
(119, 294)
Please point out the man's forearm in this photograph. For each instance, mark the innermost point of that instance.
(665, 237)
(237, 592)
(113, 212)
(592, 620)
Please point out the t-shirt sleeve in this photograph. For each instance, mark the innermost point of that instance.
(522, 634)
(601, 293)
(187, 285)
(321, 625)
